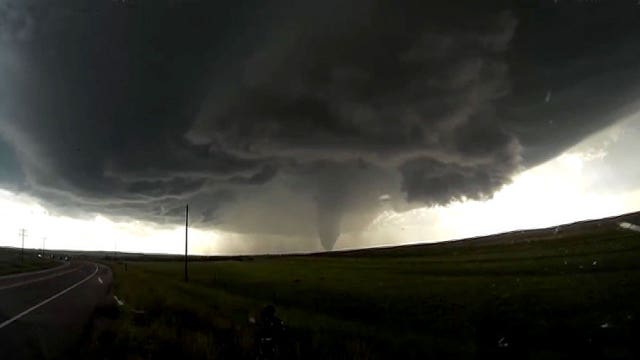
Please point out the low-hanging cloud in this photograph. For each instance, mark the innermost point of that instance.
(295, 119)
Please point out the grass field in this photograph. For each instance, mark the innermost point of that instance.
(12, 262)
(542, 294)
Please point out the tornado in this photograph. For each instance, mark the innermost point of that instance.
(332, 201)
(328, 222)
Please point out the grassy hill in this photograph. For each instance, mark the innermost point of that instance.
(12, 262)
(556, 293)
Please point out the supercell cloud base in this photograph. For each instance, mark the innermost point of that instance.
(287, 129)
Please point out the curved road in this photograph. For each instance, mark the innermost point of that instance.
(43, 313)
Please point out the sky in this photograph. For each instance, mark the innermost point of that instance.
(308, 126)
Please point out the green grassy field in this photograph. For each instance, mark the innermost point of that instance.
(11, 262)
(538, 294)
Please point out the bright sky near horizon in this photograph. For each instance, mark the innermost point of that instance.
(595, 178)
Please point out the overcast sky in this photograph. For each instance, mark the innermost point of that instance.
(310, 125)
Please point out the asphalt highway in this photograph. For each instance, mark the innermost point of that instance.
(43, 313)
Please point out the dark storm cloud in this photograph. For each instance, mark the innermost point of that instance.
(285, 117)
(433, 182)
(264, 175)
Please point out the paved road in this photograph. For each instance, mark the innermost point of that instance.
(43, 313)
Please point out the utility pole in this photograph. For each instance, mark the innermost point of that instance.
(43, 240)
(186, 243)
(22, 233)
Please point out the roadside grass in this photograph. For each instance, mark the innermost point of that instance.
(554, 297)
(11, 262)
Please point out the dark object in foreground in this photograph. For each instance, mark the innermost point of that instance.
(269, 334)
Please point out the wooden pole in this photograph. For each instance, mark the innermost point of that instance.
(22, 234)
(186, 243)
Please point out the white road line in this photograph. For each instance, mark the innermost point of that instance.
(11, 276)
(100, 280)
(49, 299)
(36, 280)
